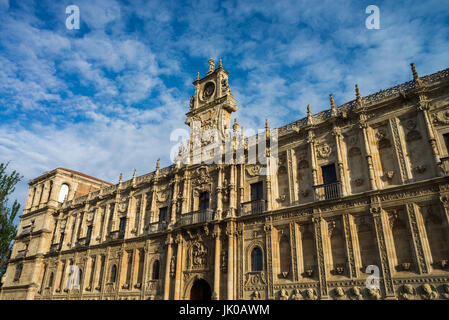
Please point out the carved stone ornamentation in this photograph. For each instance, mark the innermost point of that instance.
(324, 151)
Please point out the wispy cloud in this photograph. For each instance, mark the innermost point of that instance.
(103, 99)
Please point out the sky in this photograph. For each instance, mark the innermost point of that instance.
(104, 98)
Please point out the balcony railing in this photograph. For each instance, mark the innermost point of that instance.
(252, 207)
(328, 191)
(197, 217)
(157, 226)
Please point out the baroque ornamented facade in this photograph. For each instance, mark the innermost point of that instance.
(364, 183)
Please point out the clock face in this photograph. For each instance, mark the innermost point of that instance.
(209, 89)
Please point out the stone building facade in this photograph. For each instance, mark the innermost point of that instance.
(361, 184)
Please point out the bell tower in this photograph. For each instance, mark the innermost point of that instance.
(213, 103)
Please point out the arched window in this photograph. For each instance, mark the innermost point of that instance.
(63, 192)
(155, 274)
(113, 273)
(204, 200)
(256, 259)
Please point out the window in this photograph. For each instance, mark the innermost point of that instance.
(18, 272)
(113, 273)
(256, 259)
(89, 235)
(446, 141)
(63, 192)
(155, 274)
(50, 281)
(329, 174)
(204, 200)
(257, 191)
(122, 227)
(163, 214)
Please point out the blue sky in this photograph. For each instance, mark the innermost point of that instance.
(103, 99)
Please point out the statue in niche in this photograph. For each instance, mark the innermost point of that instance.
(197, 256)
(172, 266)
(407, 292)
(224, 259)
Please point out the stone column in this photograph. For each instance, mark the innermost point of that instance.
(217, 236)
(230, 233)
(219, 193)
(145, 270)
(143, 206)
(294, 253)
(178, 275)
(398, 147)
(380, 223)
(169, 244)
(174, 200)
(349, 234)
(369, 158)
(313, 162)
(232, 184)
(268, 228)
(421, 247)
(292, 187)
(336, 132)
(322, 272)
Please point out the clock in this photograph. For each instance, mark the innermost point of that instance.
(208, 90)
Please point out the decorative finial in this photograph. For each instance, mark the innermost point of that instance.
(198, 76)
(134, 174)
(221, 64)
(235, 126)
(309, 115)
(120, 178)
(331, 97)
(415, 73)
(211, 66)
(357, 94)
(333, 108)
(157, 164)
(267, 125)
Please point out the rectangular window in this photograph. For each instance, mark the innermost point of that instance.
(257, 191)
(204, 200)
(446, 141)
(122, 227)
(163, 214)
(89, 235)
(329, 173)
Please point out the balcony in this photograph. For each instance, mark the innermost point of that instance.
(252, 207)
(157, 226)
(196, 217)
(328, 191)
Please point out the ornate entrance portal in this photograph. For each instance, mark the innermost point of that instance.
(200, 290)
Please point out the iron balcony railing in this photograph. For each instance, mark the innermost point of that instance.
(197, 217)
(328, 191)
(252, 207)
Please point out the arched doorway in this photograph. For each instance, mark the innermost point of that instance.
(200, 290)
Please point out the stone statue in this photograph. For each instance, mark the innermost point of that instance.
(407, 292)
(255, 295)
(339, 292)
(445, 293)
(296, 295)
(374, 293)
(356, 293)
(283, 295)
(310, 294)
(211, 66)
(428, 292)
